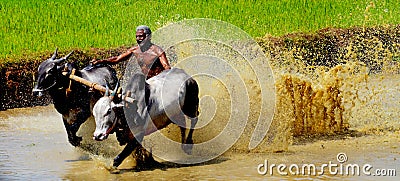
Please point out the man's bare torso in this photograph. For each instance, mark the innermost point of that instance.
(149, 60)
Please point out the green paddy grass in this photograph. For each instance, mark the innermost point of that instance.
(41, 25)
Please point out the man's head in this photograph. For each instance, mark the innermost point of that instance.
(143, 34)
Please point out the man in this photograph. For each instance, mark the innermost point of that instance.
(151, 58)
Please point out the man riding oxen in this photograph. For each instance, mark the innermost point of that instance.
(162, 96)
(150, 57)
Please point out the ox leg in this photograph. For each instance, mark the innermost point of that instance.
(188, 146)
(71, 133)
(125, 153)
(193, 122)
(187, 141)
(184, 147)
(181, 122)
(81, 117)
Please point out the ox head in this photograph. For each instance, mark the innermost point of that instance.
(105, 115)
(48, 73)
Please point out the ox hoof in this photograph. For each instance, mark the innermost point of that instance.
(114, 170)
(187, 148)
(76, 141)
(117, 161)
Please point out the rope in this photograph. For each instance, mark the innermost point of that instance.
(68, 90)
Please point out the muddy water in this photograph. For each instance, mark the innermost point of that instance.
(34, 146)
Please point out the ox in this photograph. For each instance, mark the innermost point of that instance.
(166, 98)
(74, 101)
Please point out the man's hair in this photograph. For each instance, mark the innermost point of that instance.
(145, 28)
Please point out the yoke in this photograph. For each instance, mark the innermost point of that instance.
(96, 86)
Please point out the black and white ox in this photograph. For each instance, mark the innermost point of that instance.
(167, 98)
(71, 99)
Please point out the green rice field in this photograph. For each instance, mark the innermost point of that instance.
(35, 26)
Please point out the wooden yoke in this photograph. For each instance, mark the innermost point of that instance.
(96, 86)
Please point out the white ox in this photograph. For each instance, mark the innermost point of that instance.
(163, 99)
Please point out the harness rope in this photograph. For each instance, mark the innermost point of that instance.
(109, 130)
(68, 90)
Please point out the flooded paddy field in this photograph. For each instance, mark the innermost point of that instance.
(34, 146)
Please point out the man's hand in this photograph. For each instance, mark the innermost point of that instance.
(94, 61)
(111, 60)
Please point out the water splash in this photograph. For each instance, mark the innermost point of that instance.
(334, 81)
(326, 84)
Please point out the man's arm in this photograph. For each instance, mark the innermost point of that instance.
(164, 61)
(116, 59)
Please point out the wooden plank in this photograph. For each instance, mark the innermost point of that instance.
(96, 86)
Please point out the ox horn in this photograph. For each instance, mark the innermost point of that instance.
(58, 61)
(114, 91)
(106, 93)
(54, 54)
(69, 54)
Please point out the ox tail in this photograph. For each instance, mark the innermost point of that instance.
(191, 104)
